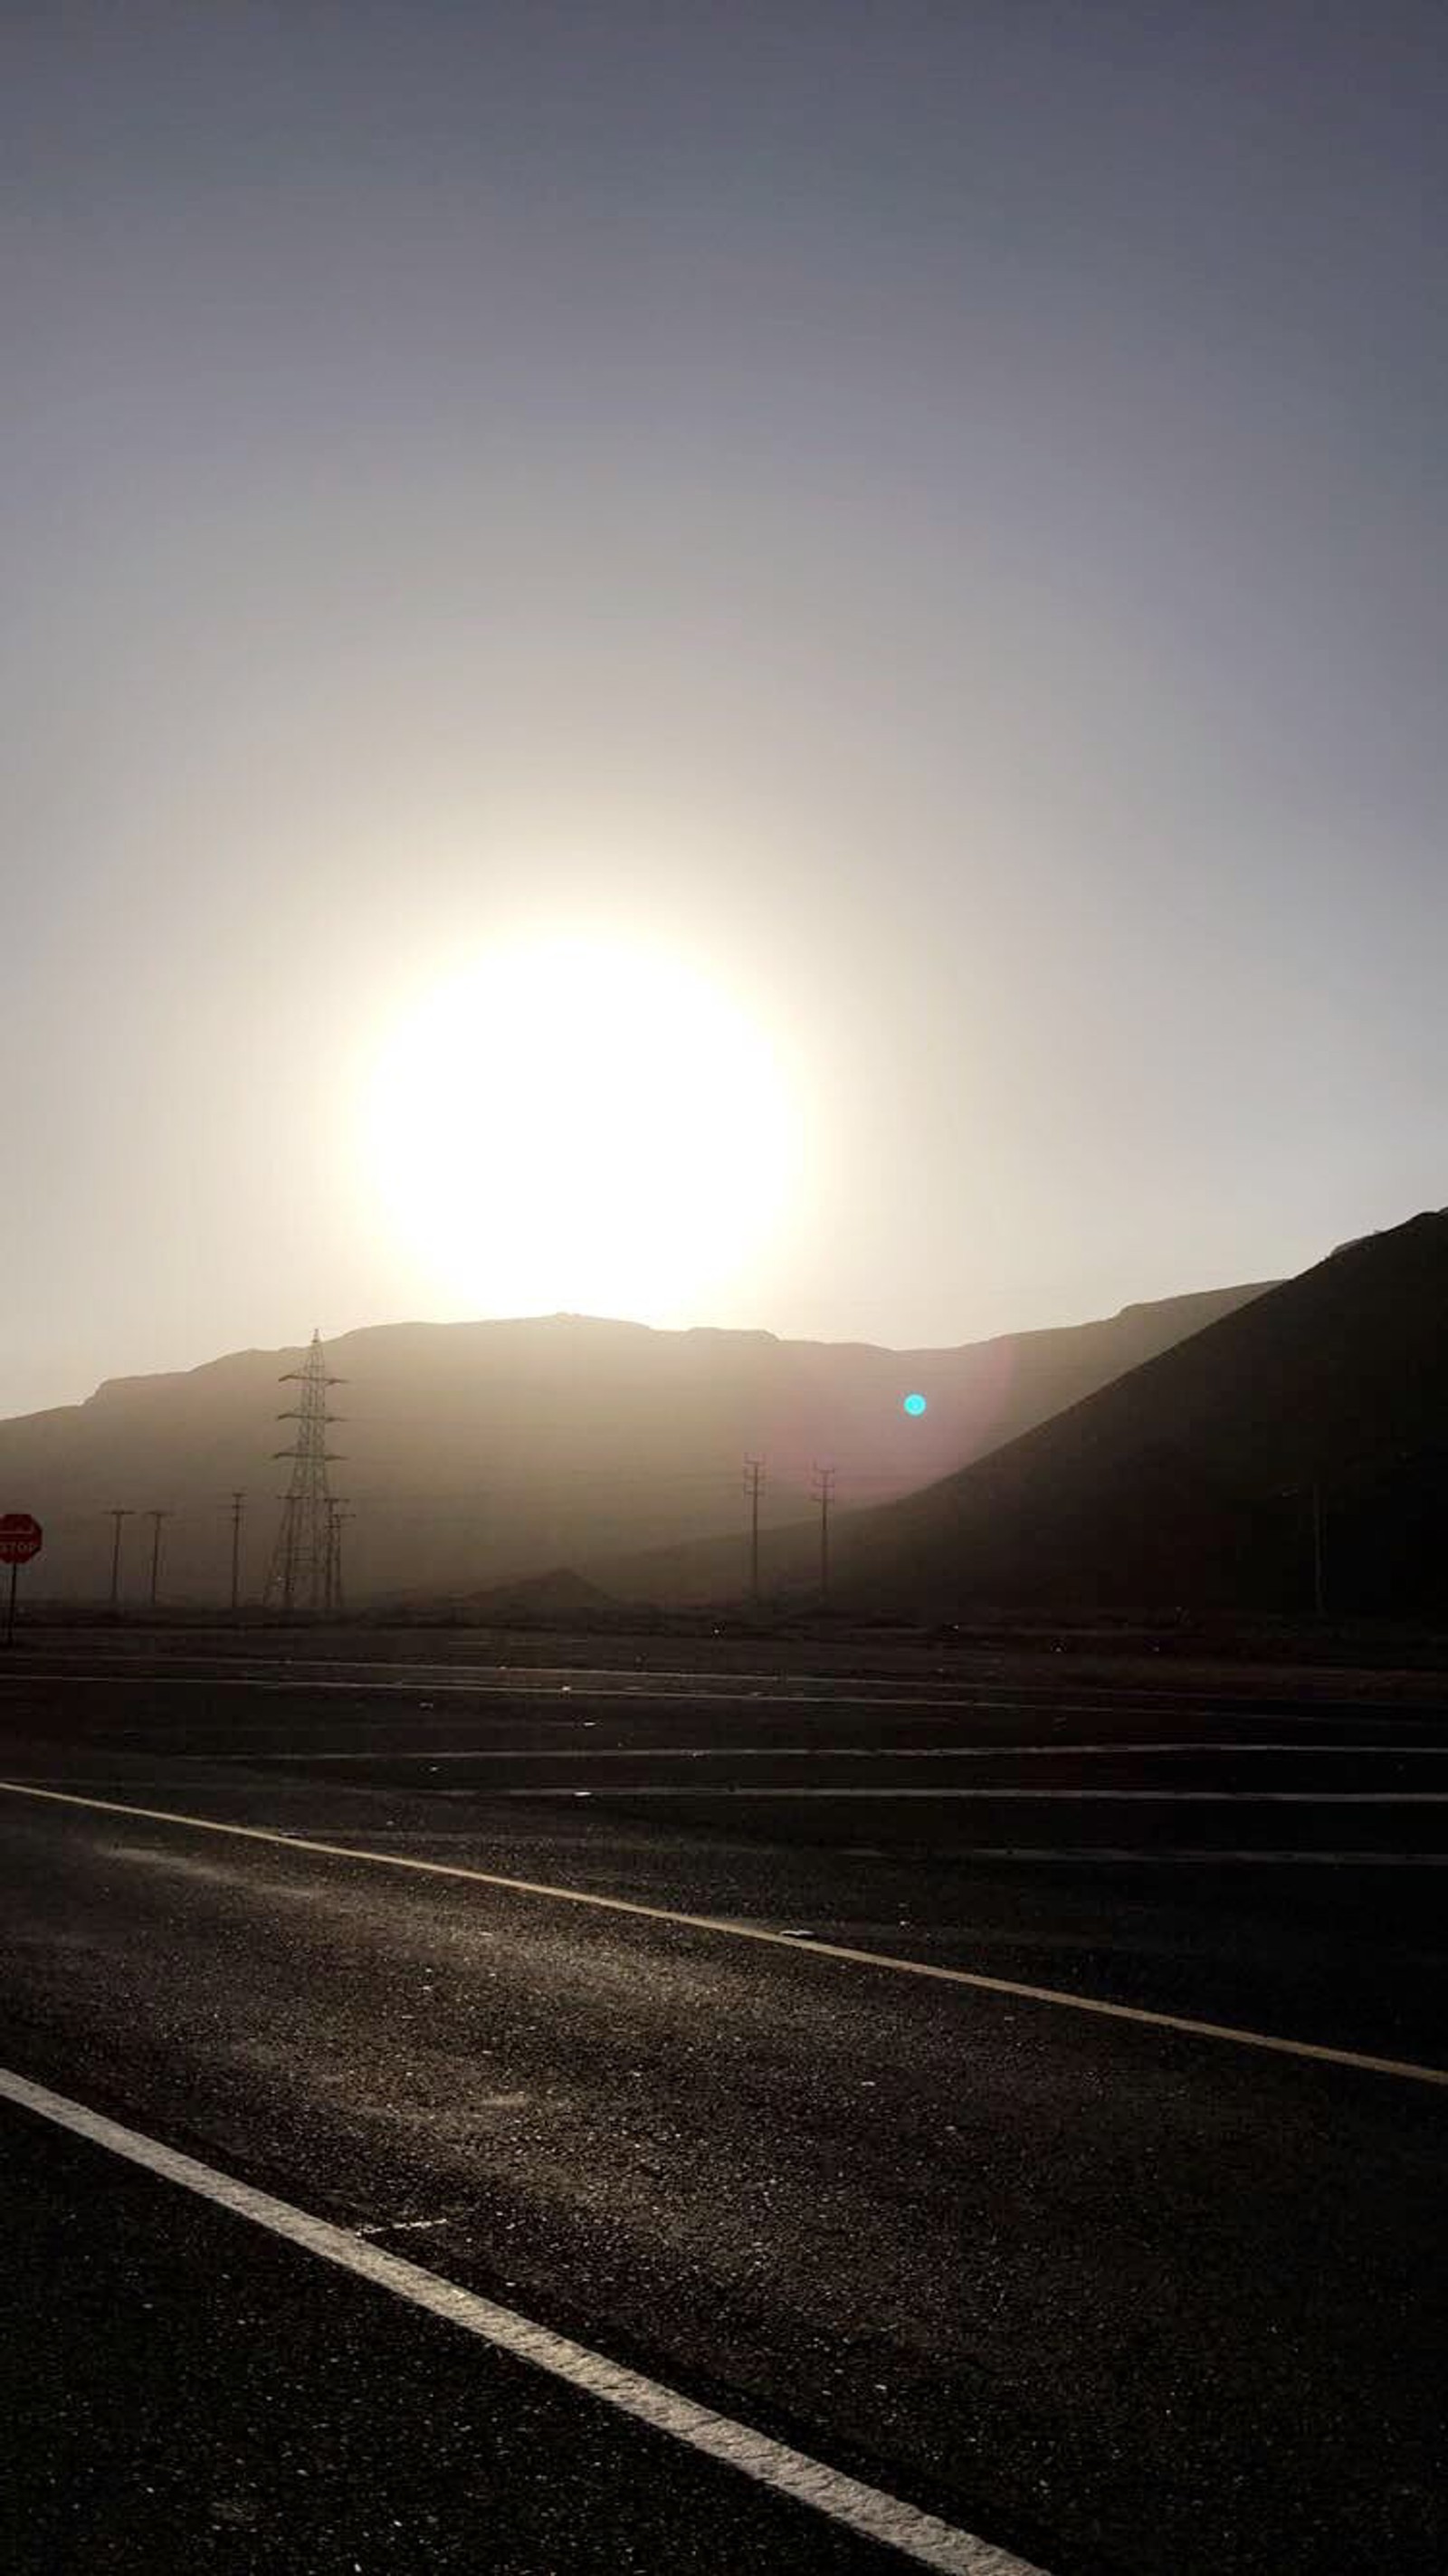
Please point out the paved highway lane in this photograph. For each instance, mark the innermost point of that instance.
(182, 2390)
(1120, 2297)
(1217, 1884)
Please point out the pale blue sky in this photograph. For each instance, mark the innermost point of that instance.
(934, 511)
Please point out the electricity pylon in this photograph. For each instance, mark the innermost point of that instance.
(300, 1575)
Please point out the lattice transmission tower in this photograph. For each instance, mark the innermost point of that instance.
(304, 1574)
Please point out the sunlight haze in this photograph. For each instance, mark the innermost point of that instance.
(573, 1124)
(675, 479)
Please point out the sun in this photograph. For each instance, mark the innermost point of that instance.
(576, 1125)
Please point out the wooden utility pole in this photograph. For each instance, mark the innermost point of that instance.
(237, 1502)
(824, 1493)
(753, 1483)
(156, 1518)
(119, 1512)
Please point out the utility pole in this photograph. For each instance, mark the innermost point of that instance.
(824, 1493)
(119, 1512)
(155, 1519)
(237, 1502)
(301, 1562)
(753, 1482)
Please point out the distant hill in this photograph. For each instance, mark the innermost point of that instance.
(474, 1455)
(558, 1595)
(1189, 1482)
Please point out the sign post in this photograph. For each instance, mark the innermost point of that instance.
(21, 1538)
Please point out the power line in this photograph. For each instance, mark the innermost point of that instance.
(302, 1558)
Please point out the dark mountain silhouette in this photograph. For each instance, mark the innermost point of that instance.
(476, 1454)
(1190, 1482)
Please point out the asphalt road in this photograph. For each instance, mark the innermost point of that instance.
(1105, 2289)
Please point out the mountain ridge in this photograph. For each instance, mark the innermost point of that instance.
(478, 1453)
(1193, 1480)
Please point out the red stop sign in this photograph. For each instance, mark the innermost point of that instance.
(21, 1538)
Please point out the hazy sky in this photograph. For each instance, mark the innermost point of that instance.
(931, 515)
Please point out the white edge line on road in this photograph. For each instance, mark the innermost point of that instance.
(931, 1969)
(865, 2510)
(945, 1790)
(1200, 1855)
(277, 1685)
(937, 1687)
(1063, 1751)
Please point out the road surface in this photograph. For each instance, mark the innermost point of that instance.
(1012, 2109)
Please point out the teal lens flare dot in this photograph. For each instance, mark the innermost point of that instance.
(914, 1404)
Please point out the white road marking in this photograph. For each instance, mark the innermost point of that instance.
(984, 1675)
(1201, 1855)
(868, 2511)
(618, 1687)
(1124, 1748)
(734, 1930)
(825, 1752)
(401, 2226)
(947, 1789)
(1127, 1700)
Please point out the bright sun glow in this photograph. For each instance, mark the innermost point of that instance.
(573, 1125)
